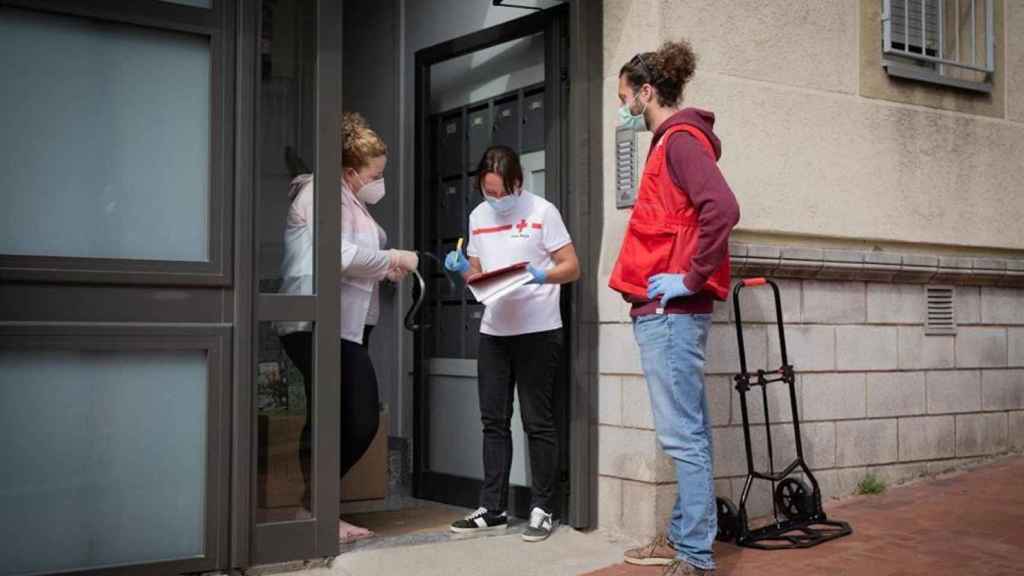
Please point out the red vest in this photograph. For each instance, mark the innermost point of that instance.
(663, 229)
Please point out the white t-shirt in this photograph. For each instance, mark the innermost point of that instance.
(531, 233)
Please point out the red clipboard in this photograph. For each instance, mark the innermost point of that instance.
(495, 273)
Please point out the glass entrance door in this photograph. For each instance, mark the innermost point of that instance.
(295, 343)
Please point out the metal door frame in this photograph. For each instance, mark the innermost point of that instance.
(317, 537)
(574, 68)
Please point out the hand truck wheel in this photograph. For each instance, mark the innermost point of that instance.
(728, 520)
(794, 499)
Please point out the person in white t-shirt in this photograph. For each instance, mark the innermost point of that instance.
(520, 336)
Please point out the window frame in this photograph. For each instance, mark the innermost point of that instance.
(904, 63)
(212, 338)
(217, 26)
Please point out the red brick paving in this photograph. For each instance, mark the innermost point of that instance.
(971, 523)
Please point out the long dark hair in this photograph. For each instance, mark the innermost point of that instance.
(504, 162)
(667, 70)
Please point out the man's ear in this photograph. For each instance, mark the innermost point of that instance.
(648, 91)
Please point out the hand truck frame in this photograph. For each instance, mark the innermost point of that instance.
(799, 519)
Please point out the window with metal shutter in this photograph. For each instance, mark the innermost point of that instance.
(949, 42)
(923, 14)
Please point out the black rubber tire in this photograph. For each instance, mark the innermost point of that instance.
(728, 520)
(794, 499)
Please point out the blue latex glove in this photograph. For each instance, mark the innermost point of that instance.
(539, 276)
(456, 261)
(668, 286)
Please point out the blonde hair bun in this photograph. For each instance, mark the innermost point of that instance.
(360, 143)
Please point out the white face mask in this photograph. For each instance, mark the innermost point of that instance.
(370, 193)
(504, 205)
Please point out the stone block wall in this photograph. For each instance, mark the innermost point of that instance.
(874, 392)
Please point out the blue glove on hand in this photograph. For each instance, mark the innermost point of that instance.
(668, 286)
(456, 261)
(539, 276)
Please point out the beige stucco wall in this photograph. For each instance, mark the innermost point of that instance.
(806, 149)
(823, 152)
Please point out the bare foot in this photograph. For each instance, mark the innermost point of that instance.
(350, 532)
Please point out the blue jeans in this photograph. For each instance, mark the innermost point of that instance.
(672, 352)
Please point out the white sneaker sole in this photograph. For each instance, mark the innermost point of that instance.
(648, 561)
(481, 529)
(536, 538)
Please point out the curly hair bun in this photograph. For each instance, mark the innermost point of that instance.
(675, 62)
(360, 143)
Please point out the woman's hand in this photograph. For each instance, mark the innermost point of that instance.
(404, 260)
(456, 261)
(539, 276)
(396, 275)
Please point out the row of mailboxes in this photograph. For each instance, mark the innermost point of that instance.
(457, 330)
(516, 121)
(457, 198)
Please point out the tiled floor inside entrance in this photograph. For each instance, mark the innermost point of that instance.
(418, 517)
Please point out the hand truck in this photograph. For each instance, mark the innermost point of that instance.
(799, 520)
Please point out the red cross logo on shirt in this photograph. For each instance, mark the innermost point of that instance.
(521, 226)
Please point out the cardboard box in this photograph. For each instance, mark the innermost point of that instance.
(368, 478)
(280, 472)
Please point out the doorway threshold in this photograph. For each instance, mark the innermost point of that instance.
(398, 522)
(413, 523)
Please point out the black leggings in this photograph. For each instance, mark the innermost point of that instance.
(359, 400)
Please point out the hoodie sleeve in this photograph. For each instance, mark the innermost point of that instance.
(695, 172)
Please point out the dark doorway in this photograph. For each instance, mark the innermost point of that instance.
(503, 85)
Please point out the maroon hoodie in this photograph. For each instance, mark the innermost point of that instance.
(693, 171)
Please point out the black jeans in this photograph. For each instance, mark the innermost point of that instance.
(359, 397)
(530, 361)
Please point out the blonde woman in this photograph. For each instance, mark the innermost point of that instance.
(364, 263)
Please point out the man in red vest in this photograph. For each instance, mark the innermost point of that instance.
(673, 265)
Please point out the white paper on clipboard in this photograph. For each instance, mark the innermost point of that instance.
(495, 286)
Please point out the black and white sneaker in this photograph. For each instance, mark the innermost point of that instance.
(480, 521)
(540, 526)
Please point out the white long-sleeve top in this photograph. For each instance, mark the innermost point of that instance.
(364, 263)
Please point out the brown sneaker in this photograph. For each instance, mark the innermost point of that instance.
(680, 568)
(658, 553)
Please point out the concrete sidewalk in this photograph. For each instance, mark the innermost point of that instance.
(566, 552)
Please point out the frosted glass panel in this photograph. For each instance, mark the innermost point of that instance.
(455, 406)
(104, 458)
(104, 139)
